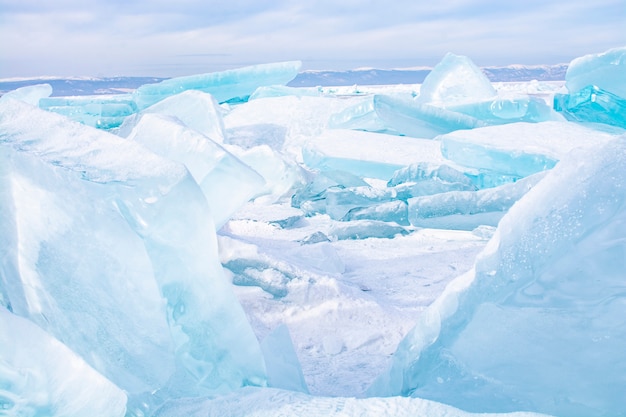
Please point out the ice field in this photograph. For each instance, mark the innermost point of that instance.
(223, 244)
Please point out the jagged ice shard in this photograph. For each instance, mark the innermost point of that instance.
(111, 249)
(539, 323)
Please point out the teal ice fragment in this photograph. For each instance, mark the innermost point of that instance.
(224, 85)
(593, 105)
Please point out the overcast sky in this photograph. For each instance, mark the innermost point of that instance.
(181, 37)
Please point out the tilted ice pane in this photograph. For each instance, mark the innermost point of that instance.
(604, 70)
(399, 116)
(226, 182)
(197, 110)
(39, 376)
(517, 149)
(30, 94)
(540, 322)
(593, 105)
(372, 155)
(466, 210)
(112, 250)
(455, 80)
(224, 85)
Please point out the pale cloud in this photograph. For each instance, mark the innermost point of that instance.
(166, 38)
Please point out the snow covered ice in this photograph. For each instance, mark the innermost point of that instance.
(223, 244)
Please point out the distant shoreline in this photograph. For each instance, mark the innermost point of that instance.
(311, 78)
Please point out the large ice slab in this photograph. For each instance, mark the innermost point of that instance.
(455, 80)
(223, 85)
(604, 70)
(111, 249)
(518, 149)
(39, 376)
(226, 182)
(539, 323)
(367, 154)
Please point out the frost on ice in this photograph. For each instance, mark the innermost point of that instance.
(111, 262)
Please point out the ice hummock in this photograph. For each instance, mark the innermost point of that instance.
(39, 376)
(111, 249)
(539, 323)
